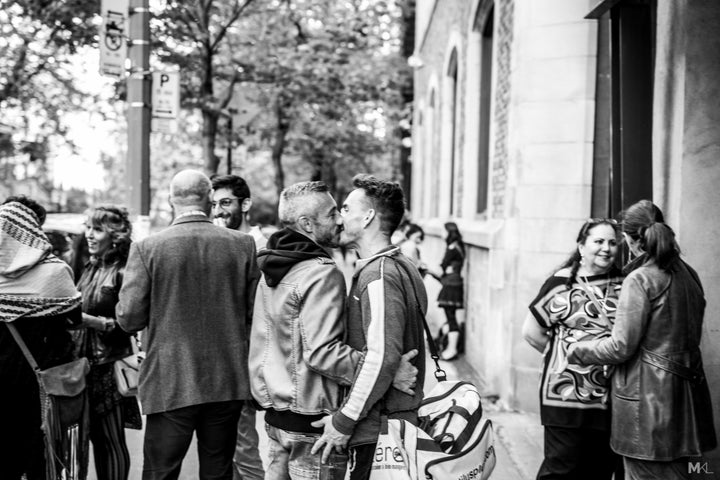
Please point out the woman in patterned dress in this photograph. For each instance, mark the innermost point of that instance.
(577, 303)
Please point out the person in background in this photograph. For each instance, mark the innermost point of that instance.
(577, 302)
(192, 286)
(452, 297)
(409, 247)
(38, 295)
(231, 203)
(107, 232)
(79, 257)
(662, 412)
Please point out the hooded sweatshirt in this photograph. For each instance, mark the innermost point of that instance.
(284, 249)
(299, 364)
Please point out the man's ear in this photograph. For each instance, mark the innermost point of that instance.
(369, 216)
(245, 206)
(305, 224)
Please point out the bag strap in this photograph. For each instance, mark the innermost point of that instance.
(440, 374)
(584, 285)
(21, 343)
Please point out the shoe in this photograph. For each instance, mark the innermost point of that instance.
(450, 353)
(448, 357)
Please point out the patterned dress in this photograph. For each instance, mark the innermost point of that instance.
(573, 395)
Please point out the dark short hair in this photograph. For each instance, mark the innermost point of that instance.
(236, 184)
(37, 209)
(414, 228)
(387, 199)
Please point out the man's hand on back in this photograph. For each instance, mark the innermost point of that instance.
(406, 375)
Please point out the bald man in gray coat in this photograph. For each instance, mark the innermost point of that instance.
(192, 286)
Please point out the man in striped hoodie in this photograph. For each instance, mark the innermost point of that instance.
(386, 304)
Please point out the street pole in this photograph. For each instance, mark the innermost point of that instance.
(229, 143)
(138, 98)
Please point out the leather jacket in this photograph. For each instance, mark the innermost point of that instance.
(661, 407)
(297, 359)
(100, 285)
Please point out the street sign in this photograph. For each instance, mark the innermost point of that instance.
(113, 37)
(165, 101)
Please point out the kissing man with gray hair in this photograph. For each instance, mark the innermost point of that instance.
(299, 365)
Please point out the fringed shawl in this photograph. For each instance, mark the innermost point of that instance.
(33, 282)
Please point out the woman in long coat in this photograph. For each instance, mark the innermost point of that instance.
(662, 413)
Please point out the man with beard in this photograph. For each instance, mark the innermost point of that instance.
(299, 365)
(230, 203)
(385, 312)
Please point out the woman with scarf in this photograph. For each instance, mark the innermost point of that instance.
(577, 302)
(662, 413)
(107, 231)
(38, 297)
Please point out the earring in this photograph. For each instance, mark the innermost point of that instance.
(582, 259)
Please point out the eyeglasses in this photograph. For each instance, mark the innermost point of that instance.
(224, 202)
(597, 220)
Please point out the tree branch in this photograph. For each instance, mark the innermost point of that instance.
(237, 11)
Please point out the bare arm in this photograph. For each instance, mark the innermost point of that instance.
(536, 335)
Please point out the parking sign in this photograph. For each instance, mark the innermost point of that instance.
(165, 101)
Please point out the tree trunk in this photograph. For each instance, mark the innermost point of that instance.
(283, 125)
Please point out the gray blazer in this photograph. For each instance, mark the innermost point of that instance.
(193, 286)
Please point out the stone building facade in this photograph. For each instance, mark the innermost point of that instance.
(520, 135)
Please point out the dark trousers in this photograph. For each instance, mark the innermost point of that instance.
(451, 315)
(360, 459)
(578, 454)
(168, 436)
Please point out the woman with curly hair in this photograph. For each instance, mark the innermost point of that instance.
(107, 231)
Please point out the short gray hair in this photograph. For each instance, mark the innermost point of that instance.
(190, 187)
(294, 201)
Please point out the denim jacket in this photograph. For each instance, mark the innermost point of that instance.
(298, 361)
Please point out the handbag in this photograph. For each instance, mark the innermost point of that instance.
(64, 411)
(127, 372)
(453, 441)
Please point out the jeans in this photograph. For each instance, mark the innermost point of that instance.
(168, 436)
(290, 458)
(361, 459)
(247, 463)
